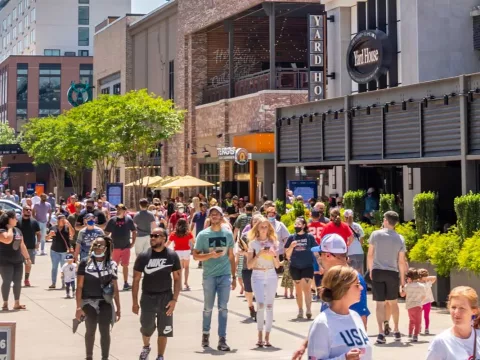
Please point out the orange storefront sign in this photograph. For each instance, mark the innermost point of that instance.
(256, 143)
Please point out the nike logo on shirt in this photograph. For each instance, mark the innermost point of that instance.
(152, 270)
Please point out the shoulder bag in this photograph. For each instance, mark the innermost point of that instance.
(69, 248)
(107, 288)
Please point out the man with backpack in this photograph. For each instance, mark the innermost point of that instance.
(355, 250)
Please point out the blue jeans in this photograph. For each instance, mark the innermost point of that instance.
(58, 258)
(216, 286)
(43, 233)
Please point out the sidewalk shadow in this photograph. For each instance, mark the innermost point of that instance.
(266, 349)
(210, 351)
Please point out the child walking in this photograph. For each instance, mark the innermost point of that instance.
(69, 271)
(428, 281)
(287, 281)
(415, 296)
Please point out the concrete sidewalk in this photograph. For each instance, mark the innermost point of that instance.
(44, 329)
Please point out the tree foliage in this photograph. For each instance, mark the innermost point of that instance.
(101, 132)
(467, 209)
(7, 135)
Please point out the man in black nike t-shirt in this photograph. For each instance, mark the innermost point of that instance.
(158, 301)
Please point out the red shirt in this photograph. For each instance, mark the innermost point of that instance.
(175, 217)
(316, 228)
(71, 208)
(181, 243)
(343, 230)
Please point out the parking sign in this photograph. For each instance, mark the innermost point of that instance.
(7, 341)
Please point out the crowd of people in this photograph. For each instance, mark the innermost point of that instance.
(233, 242)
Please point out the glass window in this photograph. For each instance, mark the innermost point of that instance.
(20, 47)
(21, 119)
(9, 19)
(9, 38)
(84, 1)
(14, 50)
(20, 27)
(20, 8)
(48, 112)
(51, 52)
(171, 79)
(117, 89)
(4, 42)
(14, 32)
(32, 36)
(33, 15)
(83, 36)
(4, 25)
(27, 21)
(86, 74)
(27, 3)
(26, 42)
(49, 89)
(82, 52)
(14, 14)
(83, 15)
(106, 90)
(22, 86)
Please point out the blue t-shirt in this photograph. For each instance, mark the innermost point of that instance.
(208, 241)
(360, 307)
(199, 221)
(85, 239)
(301, 257)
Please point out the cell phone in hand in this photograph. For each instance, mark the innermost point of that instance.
(218, 251)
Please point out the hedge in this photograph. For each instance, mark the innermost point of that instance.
(355, 200)
(467, 209)
(469, 256)
(425, 212)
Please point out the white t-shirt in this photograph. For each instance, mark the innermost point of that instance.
(355, 247)
(428, 288)
(69, 272)
(282, 235)
(332, 336)
(36, 200)
(446, 346)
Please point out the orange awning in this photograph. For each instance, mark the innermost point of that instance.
(259, 143)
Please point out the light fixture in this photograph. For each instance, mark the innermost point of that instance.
(311, 117)
(324, 117)
(385, 107)
(445, 99)
(432, 97)
(352, 112)
(404, 105)
(219, 136)
(205, 151)
(368, 110)
(301, 119)
(207, 155)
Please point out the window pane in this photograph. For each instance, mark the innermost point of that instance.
(83, 15)
(22, 84)
(33, 15)
(84, 1)
(83, 36)
(14, 14)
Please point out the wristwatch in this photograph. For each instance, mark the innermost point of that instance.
(234, 278)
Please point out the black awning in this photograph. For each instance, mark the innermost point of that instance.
(11, 149)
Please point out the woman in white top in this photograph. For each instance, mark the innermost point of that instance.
(262, 258)
(338, 333)
(355, 250)
(462, 340)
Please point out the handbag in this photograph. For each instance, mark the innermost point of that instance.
(107, 289)
(69, 248)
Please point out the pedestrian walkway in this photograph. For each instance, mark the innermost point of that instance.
(44, 330)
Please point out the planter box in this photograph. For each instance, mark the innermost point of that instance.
(465, 278)
(442, 286)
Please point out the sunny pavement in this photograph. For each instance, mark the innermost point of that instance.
(44, 330)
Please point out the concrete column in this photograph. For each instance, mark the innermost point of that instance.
(339, 34)
(350, 170)
(467, 166)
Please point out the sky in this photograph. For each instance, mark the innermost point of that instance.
(145, 6)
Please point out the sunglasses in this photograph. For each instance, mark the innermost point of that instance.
(155, 236)
(99, 246)
(27, 209)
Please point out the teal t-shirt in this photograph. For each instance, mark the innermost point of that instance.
(208, 241)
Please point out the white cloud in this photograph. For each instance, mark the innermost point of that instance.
(145, 6)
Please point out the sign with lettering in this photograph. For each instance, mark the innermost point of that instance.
(368, 56)
(239, 155)
(316, 52)
(7, 340)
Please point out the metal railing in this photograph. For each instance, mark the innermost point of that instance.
(286, 79)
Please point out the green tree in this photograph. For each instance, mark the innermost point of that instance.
(7, 135)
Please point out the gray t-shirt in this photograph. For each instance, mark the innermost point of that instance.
(41, 211)
(388, 244)
(143, 219)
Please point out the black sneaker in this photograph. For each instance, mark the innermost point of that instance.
(126, 287)
(222, 345)
(159, 357)
(145, 352)
(415, 338)
(205, 340)
(387, 329)
(397, 336)
(381, 339)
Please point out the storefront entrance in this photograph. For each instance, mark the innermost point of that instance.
(385, 180)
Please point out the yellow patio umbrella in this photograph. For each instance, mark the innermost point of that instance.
(146, 181)
(157, 185)
(186, 181)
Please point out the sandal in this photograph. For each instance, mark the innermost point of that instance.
(260, 343)
(267, 344)
(20, 307)
(5, 308)
(187, 288)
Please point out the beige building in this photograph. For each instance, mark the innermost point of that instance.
(137, 52)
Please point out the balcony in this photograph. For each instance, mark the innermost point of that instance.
(286, 79)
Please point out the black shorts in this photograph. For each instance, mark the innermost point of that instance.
(385, 285)
(299, 274)
(247, 280)
(154, 307)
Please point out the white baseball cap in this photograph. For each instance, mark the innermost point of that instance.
(218, 208)
(370, 190)
(333, 244)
